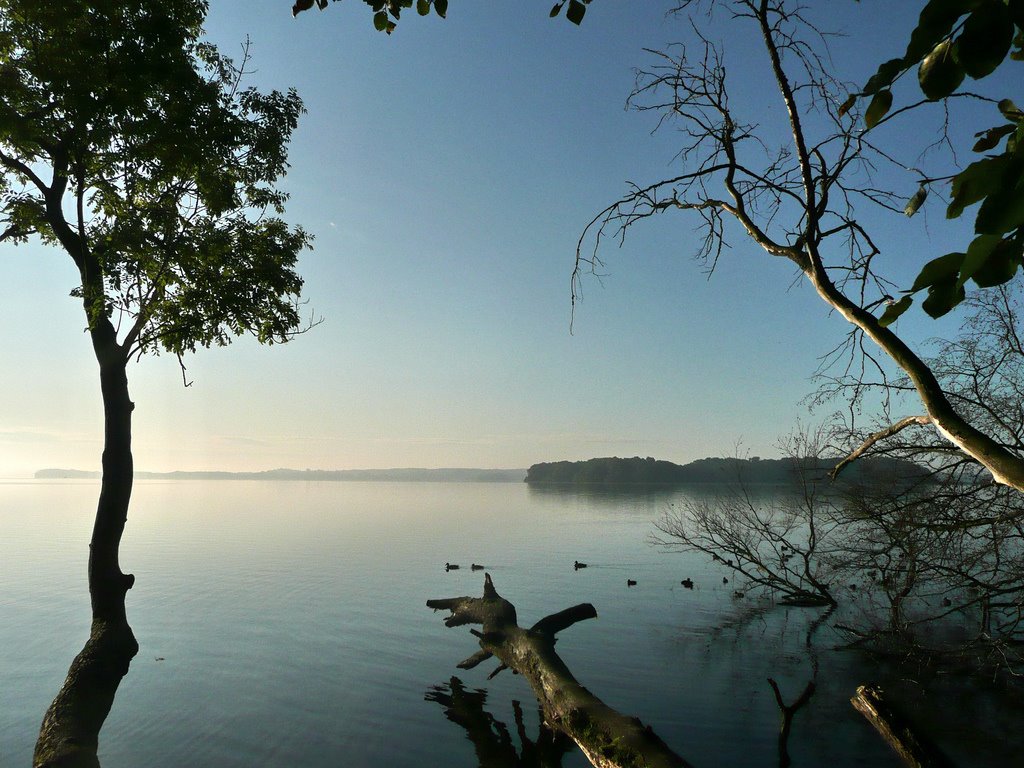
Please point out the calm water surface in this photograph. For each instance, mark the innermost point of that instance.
(283, 624)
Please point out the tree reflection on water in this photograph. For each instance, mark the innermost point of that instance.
(494, 745)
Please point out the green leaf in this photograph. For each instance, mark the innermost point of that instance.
(575, 11)
(877, 108)
(985, 39)
(894, 310)
(847, 105)
(991, 138)
(380, 21)
(942, 297)
(1016, 9)
(916, 201)
(441, 8)
(935, 23)
(422, 7)
(939, 73)
(556, 9)
(975, 182)
(943, 269)
(886, 73)
(1010, 110)
(1001, 265)
(977, 254)
(1002, 212)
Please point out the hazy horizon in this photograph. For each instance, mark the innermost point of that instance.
(446, 214)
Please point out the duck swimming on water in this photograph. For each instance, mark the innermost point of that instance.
(475, 567)
(577, 565)
(451, 567)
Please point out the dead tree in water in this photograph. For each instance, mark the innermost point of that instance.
(607, 738)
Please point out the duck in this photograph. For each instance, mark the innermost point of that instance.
(451, 567)
(475, 567)
(577, 565)
(630, 583)
(738, 595)
(725, 580)
(687, 583)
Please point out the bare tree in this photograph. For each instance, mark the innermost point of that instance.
(798, 202)
(933, 564)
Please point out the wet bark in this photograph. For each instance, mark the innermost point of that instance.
(607, 738)
(913, 748)
(69, 736)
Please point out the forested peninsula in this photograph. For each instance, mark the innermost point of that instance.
(650, 471)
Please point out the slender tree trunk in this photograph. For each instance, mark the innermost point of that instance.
(69, 736)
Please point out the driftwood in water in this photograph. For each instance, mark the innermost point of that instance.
(607, 738)
(916, 750)
(491, 738)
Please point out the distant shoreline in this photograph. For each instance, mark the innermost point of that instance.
(651, 472)
(633, 472)
(443, 475)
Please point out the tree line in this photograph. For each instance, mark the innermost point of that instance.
(787, 471)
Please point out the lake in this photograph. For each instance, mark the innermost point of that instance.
(283, 624)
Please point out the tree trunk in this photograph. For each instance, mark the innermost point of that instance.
(69, 736)
(607, 738)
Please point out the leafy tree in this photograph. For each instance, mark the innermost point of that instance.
(955, 40)
(132, 146)
(386, 13)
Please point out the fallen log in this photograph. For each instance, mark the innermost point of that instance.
(607, 738)
(916, 750)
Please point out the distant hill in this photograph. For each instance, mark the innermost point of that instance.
(649, 471)
(452, 475)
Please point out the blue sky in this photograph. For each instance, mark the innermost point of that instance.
(446, 173)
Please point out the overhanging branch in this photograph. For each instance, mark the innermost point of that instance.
(882, 434)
